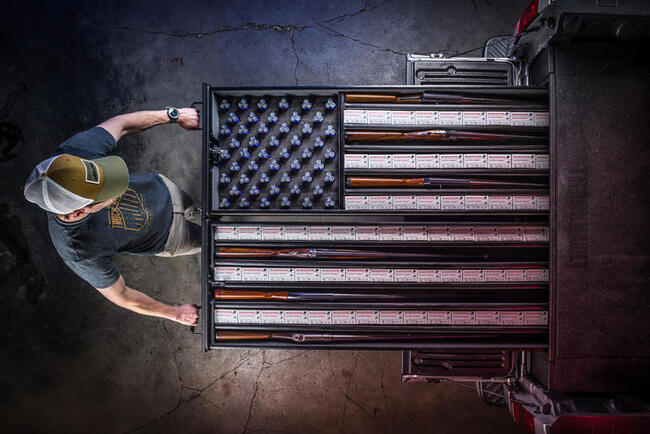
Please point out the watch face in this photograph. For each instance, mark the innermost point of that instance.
(173, 113)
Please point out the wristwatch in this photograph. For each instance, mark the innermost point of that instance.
(172, 113)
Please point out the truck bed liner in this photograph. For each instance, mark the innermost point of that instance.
(600, 255)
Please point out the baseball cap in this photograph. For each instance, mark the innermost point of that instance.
(65, 183)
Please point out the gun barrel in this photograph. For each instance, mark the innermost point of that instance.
(431, 97)
(489, 183)
(337, 337)
(369, 254)
(298, 337)
(344, 296)
(228, 294)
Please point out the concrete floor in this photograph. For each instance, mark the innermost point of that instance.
(73, 362)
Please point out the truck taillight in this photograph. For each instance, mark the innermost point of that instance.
(527, 17)
(523, 417)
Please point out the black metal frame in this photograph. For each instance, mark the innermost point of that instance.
(531, 338)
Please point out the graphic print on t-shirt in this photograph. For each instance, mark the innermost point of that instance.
(128, 212)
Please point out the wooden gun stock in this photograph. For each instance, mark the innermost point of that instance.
(370, 98)
(231, 294)
(238, 336)
(354, 181)
(378, 98)
(377, 136)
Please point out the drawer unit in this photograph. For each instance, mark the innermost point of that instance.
(375, 217)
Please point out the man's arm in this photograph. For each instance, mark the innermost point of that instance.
(120, 125)
(141, 303)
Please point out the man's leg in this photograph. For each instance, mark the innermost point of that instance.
(184, 237)
(181, 201)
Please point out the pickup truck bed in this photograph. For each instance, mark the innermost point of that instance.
(600, 196)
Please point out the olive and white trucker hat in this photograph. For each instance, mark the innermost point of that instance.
(66, 183)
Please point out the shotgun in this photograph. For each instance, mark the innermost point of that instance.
(371, 181)
(236, 294)
(427, 97)
(313, 253)
(232, 294)
(337, 337)
(435, 135)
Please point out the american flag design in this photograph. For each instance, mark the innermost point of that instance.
(129, 212)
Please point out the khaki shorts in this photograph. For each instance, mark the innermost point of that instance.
(184, 237)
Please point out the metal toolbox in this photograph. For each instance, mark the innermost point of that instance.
(424, 266)
(466, 365)
(436, 70)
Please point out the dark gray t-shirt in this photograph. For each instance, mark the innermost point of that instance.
(137, 222)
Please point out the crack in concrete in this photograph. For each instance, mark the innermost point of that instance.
(329, 361)
(288, 29)
(364, 9)
(199, 392)
(182, 401)
(383, 393)
(280, 28)
(347, 393)
(295, 53)
(178, 371)
(300, 353)
(181, 386)
(209, 402)
(159, 418)
(241, 362)
(257, 386)
(224, 29)
(265, 365)
(338, 34)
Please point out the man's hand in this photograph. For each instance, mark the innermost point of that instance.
(139, 302)
(188, 118)
(187, 314)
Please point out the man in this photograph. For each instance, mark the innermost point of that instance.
(96, 209)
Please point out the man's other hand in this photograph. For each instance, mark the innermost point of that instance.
(187, 314)
(188, 118)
